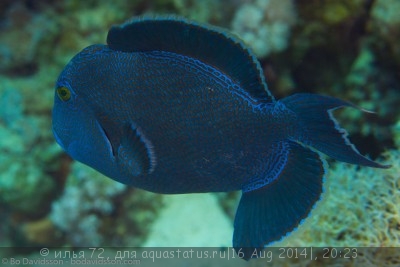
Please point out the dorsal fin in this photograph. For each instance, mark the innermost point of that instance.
(209, 44)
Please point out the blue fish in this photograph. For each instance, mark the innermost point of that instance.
(172, 106)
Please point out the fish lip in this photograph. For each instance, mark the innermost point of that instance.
(58, 139)
(107, 140)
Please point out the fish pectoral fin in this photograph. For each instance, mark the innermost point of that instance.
(267, 214)
(136, 152)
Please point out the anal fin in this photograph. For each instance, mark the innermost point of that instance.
(269, 213)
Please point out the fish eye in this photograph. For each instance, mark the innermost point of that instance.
(64, 93)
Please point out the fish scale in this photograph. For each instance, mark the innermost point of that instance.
(174, 106)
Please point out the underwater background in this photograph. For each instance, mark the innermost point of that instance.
(343, 48)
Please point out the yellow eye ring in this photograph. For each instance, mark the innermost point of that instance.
(64, 93)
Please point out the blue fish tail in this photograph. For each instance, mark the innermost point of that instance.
(268, 213)
(320, 130)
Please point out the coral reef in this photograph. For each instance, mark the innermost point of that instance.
(23, 34)
(373, 87)
(385, 22)
(191, 231)
(87, 196)
(4, 229)
(265, 25)
(336, 50)
(359, 210)
(95, 210)
(137, 211)
(396, 133)
(41, 232)
(24, 186)
(200, 10)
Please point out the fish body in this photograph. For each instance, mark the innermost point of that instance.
(172, 106)
(199, 135)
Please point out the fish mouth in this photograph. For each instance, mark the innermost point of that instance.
(58, 139)
(107, 140)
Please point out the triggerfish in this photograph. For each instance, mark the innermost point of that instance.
(173, 106)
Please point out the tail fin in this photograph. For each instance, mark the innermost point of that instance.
(322, 130)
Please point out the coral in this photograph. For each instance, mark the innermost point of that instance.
(24, 184)
(175, 228)
(87, 197)
(363, 66)
(265, 25)
(327, 34)
(385, 22)
(40, 232)
(336, 12)
(22, 37)
(386, 12)
(136, 214)
(11, 106)
(335, 50)
(396, 133)
(200, 10)
(360, 208)
(5, 241)
(95, 210)
(229, 202)
(87, 23)
(373, 88)
(384, 29)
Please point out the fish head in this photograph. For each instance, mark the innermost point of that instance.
(76, 127)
